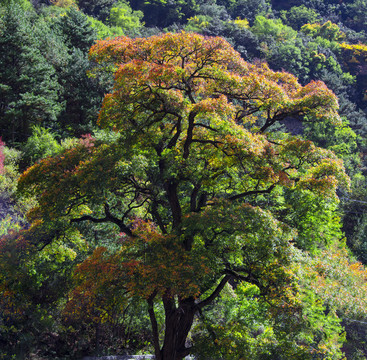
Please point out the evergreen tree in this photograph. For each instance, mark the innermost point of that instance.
(76, 29)
(81, 94)
(29, 90)
(97, 8)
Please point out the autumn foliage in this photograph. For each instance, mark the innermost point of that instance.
(188, 176)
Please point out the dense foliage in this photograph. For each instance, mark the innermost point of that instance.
(212, 203)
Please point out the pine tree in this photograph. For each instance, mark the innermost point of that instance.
(29, 91)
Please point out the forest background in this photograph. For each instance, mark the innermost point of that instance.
(62, 292)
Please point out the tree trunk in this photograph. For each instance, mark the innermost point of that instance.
(178, 323)
(179, 317)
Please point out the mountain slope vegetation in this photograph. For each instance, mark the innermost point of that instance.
(183, 177)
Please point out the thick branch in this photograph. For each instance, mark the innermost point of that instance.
(215, 293)
(108, 218)
(279, 117)
(89, 218)
(174, 139)
(250, 278)
(206, 127)
(185, 352)
(189, 134)
(116, 221)
(171, 188)
(252, 192)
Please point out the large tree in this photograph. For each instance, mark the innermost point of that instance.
(191, 176)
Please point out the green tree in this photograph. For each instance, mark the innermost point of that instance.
(81, 95)
(123, 16)
(29, 90)
(33, 283)
(163, 13)
(25, 4)
(242, 327)
(291, 55)
(12, 211)
(356, 14)
(245, 9)
(105, 31)
(40, 144)
(96, 8)
(181, 179)
(274, 28)
(75, 29)
(298, 16)
(33, 280)
(328, 31)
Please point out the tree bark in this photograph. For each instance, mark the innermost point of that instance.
(179, 317)
(179, 320)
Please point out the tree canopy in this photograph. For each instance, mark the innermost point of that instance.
(192, 177)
